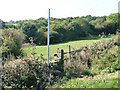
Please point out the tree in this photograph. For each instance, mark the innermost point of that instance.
(59, 32)
(65, 29)
(11, 42)
(40, 38)
(2, 24)
(112, 18)
(29, 30)
(73, 31)
(112, 21)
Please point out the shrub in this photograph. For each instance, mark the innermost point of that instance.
(87, 72)
(116, 65)
(24, 73)
(11, 42)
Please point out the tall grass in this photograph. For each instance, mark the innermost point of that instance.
(101, 81)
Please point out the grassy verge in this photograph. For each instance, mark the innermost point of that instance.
(99, 81)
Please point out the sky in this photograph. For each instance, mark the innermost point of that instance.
(34, 9)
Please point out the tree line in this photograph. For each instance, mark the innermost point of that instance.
(15, 33)
(64, 29)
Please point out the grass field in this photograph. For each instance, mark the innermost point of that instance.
(65, 46)
(99, 81)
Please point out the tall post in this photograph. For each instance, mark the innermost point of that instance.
(70, 52)
(48, 39)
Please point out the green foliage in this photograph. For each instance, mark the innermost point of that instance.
(40, 38)
(116, 65)
(86, 41)
(65, 29)
(70, 73)
(2, 24)
(113, 18)
(11, 42)
(108, 61)
(105, 81)
(28, 73)
(24, 73)
(87, 72)
(19, 73)
(102, 56)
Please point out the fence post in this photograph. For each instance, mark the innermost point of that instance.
(62, 54)
(62, 60)
(59, 53)
(70, 52)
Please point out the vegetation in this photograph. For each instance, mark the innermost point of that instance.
(85, 41)
(94, 46)
(24, 73)
(101, 81)
(102, 74)
(21, 71)
(12, 40)
(65, 29)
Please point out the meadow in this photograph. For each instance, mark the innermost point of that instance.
(65, 46)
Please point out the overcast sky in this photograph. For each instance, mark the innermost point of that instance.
(34, 9)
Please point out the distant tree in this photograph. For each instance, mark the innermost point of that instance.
(59, 30)
(112, 21)
(73, 31)
(2, 24)
(65, 29)
(86, 27)
(29, 30)
(54, 37)
(40, 38)
(112, 18)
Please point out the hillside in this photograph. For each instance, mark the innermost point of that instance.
(88, 58)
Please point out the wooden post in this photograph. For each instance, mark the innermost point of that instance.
(62, 54)
(70, 52)
(62, 61)
(59, 53)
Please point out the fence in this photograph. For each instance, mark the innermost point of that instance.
(80, 56)
(84, 56)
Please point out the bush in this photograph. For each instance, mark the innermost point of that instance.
(88, 72)
(24, 73)
(11, 42)
(116, 65)
(108, 60)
